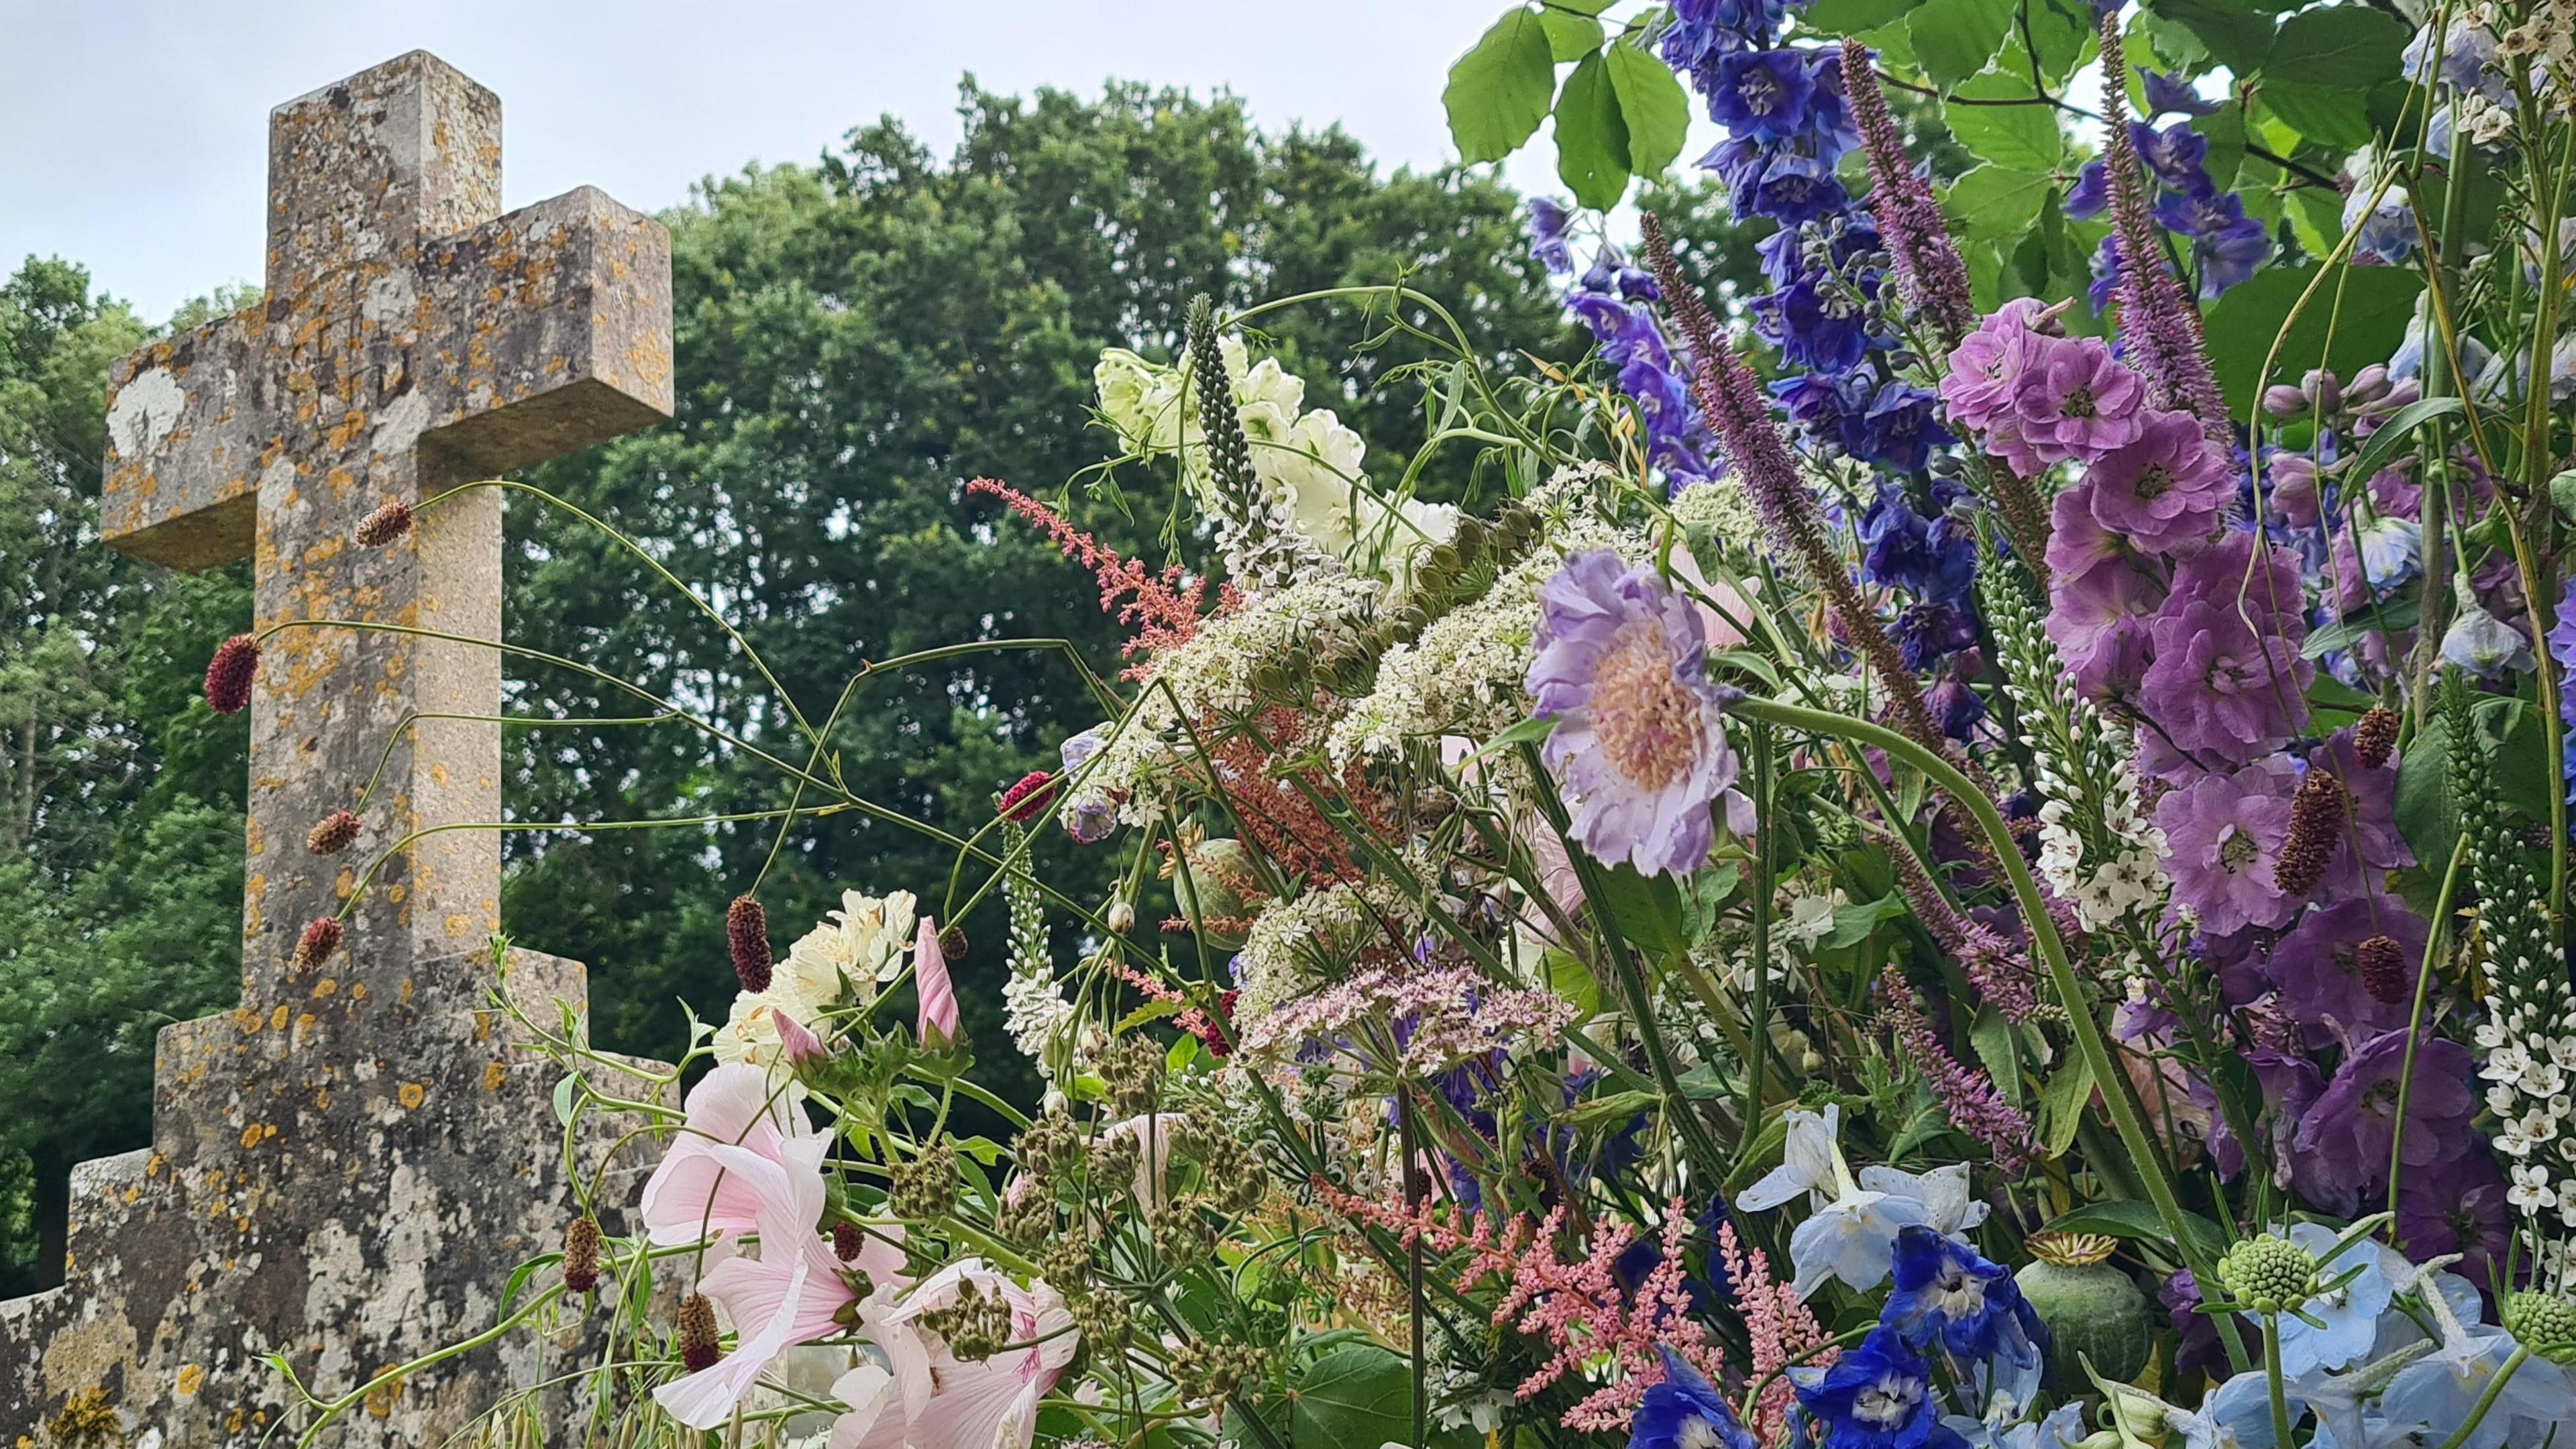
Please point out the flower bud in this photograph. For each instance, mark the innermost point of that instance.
(581, 1255)
(2375, 737)
(2323, 390)
(2368, 385)
(1122, 918)
(2382, 966)
(390, 521)
(2284, 402)
(698, 1347)
(320, 939)
(1028, 797)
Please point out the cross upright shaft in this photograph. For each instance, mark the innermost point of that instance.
(410, 338)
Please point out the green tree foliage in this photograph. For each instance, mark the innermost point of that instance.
(120, 793)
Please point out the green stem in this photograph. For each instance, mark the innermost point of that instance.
(2034, 908)
(2487, 1400)
(1760, 1055)
(2272, 1379)
(2433, 940)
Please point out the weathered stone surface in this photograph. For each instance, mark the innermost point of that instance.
(345, 1169)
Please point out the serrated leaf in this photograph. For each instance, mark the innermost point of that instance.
(1358, 1393)
(1997, 200)
(1151, 1011)
(2235, 36)
(1498, 92)
(2062, 33)
(1591, 137)
(1569, 36)
(2328, 115)
(1953, 39)
(1652, 103)
(2352, 46)
(2021, 136)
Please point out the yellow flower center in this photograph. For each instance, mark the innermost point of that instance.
(1647, 721)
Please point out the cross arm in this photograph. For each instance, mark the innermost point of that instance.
(554, 335)
(185, 446)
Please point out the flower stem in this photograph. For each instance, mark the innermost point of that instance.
(2079, 1017)
(2272, 1379)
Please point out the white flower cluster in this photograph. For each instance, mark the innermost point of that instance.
(840, 962)
(1214, 673)
(1291, 944)
(1306, 457)
(1033, 1010)
(2530, 1071)
(2126, 880)
(1721, 506)
(1463, 676)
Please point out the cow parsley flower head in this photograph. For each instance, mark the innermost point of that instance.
(1638, 743)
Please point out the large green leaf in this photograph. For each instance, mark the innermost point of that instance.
(2141, 1221)
(1356, 1394)
(1591, 136)
(1570, 36)
(2236, 35)
(1652, 103)
(1851, 17)
(1997, 200)
(1953, 39)
(2062, 33)
(1647, 909)
(1498, 91)
(2366, 327)
(2351, 46)
(2333, 116)
(2018, 131)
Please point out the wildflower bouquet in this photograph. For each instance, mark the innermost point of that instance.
(1983, 865)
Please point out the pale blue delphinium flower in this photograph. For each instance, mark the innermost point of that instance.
(1851, 1234)
(2339, 1400)
(2392, 549)
(2064, 1429)
(2442, 1389)
(2485, 645)
(2347, 1318)
(1943, 1192)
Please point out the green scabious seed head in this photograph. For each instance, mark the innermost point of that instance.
(2543, 1323)
(2269, 1274)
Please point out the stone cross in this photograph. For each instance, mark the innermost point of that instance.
(345, 1169)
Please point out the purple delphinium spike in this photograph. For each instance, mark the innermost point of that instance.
(1928, 270)
(2160, 327)
(1739, 413)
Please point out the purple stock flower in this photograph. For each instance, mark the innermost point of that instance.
(2101, 596)
(2353, 1125)
(2228, 677)
(2164, 489)
(1638, 745)
(2172, 94)
(2225, 832)
(2076, 401)
(2317, 968)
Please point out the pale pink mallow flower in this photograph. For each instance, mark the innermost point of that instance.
(793, 1293)
(938, 1025)
(987, 1404)
(690, 1196)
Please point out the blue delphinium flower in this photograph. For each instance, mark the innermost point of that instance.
(1763, 94)
(2173, 95)
(1548, 242)
(2175, 154)
(2090, 196)
(1685, 1411)
(1900, 429)
(1877, 1396)
(1947, 1294)
(1614, 301)
(2226, 244)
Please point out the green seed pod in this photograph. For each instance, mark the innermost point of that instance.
(2093, 1309)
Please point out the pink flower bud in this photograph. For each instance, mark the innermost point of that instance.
(938, 1024)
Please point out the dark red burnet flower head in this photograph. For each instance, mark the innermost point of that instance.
(229, 674)
(333, 833)
(581, 1255)
(747, 932)
(1028, 796)
(390, 521)
(699, 1349)
(320, 939)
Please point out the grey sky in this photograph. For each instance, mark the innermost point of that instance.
(133, 132)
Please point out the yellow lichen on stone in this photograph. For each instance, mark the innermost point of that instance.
(411, 1095)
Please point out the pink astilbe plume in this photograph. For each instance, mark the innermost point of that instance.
(1576, 1304)
(1780, 1328)
(1165, 608)
(2158, 324)
(1969, 1097)
(2002, 974)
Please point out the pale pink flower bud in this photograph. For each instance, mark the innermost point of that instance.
(938, 1024)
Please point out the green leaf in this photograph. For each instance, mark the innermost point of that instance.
(2022, 137)
(2391, 434)
(1569, 37)
(2063, 1102)
(1851, 17)
(1997, 200)
(2061, 32)
(564, 1091)
(1646, 909)
(2236, 36)
(2327, 115)
(2376, 303)
(2427, 816)
(1568, 977)
(2140, 1221)
(1498, 91)
(1854, 924)
(1652, 103)
(1150, 1011)
(1953, 39)
(2352, 46)
(1356, 1394)
(1992, 1036)
(2225, 130)
(1591, 137)
(2385, 618)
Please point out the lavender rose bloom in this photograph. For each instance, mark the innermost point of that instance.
(2225, 833)
(2076, 401)
(1638, 745)
(2163, 491)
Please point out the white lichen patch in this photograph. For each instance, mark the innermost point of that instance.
(145, 411)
